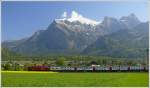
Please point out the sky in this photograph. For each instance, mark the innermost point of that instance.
(22, 19)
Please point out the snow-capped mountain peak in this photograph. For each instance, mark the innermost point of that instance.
(77, 17)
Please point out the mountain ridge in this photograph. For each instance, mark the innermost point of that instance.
(67, 37)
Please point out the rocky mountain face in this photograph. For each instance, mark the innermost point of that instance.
(123, 43)
(130, 21)
(124, 37)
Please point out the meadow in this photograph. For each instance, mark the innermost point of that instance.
(54, 79)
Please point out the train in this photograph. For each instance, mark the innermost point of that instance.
(88, 68)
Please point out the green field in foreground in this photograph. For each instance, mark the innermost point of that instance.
(33, 79)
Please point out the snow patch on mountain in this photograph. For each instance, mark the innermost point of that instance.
(64, 15)
(77, 17)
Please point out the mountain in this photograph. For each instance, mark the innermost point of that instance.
(130, 21)
(63, 36)
(6, 54)
(123, 43)
(110, 25)
(77, 35)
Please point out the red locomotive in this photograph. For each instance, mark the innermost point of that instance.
(38, 68)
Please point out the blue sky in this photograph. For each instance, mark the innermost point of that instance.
(22, 19)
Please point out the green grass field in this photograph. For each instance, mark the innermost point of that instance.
(28, 79)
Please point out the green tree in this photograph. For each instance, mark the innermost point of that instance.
(8, 66)
(60, 61)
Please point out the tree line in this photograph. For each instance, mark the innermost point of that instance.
(13, 60)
